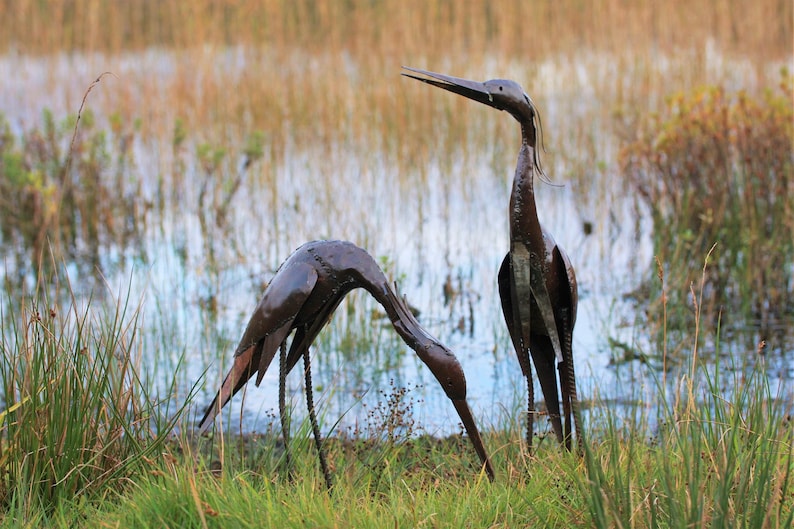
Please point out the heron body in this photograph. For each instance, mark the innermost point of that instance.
(537, 284)
(303, 295)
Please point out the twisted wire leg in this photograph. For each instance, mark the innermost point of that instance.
(282, 406)
(566, 405)
(313, 417)
(530, 408)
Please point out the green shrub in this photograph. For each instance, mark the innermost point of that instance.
(714, 169)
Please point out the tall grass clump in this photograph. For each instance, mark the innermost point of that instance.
(715, 449)
(79, 418)
(716, 168)
(714, 460)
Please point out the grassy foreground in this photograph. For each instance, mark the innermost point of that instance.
(85, 445)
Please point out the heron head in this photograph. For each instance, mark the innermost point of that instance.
(501, 94)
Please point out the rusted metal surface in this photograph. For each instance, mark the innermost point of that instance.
(303, 295)
(537, 284)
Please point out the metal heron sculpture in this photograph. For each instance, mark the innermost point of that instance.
(537, 284)
(302, 296)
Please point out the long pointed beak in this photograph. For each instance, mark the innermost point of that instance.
(470, 89)
(474, 435)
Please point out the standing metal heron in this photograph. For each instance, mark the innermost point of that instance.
(302, 296)
(537, 285)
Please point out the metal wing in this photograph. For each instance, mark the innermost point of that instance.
(268, 327)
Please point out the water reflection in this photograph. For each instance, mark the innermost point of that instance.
(150, 209)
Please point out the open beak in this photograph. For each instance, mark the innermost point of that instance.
(470, 89)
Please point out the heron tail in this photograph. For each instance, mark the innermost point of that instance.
(242, 370)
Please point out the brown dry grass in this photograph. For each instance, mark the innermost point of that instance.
(400, 28)
(330, 69)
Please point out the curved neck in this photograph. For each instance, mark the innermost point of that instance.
(528, 133)
(402, 319)
(524, 221)
(370, 276)
(441, 361)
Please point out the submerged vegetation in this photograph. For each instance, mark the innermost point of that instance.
(231, 132)
(67, 194)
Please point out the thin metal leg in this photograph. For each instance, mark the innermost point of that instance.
(313, 417)
(282, 405)
(530, 410)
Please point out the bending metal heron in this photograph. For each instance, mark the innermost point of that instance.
(302, 296)
(537, 284)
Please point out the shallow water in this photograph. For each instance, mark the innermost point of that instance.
(447, 219)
